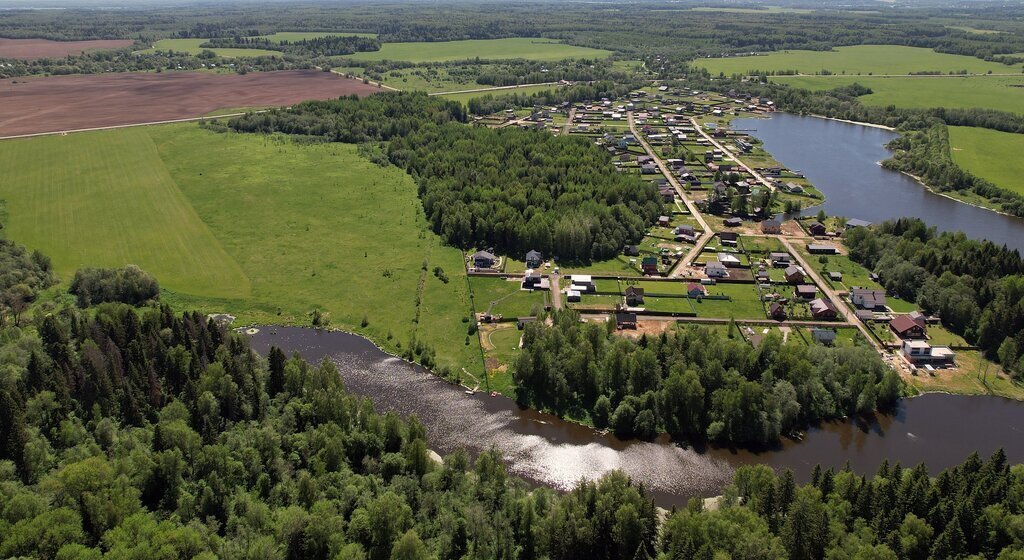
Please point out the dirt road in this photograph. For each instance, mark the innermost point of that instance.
(728, 154)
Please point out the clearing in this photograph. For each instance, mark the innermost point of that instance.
(990, 154)
(32, 49)
(862, 59)
(1004, 93)
(487, 49)
(191, 46)
(260, 227)
(61, 103)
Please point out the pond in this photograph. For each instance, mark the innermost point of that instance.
(842, 160)
(940, 430)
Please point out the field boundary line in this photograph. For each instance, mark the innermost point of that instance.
(129, 125)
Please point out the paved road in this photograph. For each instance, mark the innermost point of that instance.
(728, 153)
(116, 126)
(841, 306)
(708, 232)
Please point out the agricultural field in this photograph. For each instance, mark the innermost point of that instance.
(488, 49)
(191, 46)
(861, 59)
(61, 103)
(464, 97)
(990, 154)
(32, 49)
(219, 219)
(1004, 93)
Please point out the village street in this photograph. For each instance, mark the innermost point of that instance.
(728, 154)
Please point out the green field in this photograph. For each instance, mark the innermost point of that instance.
(1005, 93)
(293, 36)
(525, 90)
(862, 59)
(255, 226)
(990, 154)
(504, 297)
(489, 49)
(191, 46)
(765, 10)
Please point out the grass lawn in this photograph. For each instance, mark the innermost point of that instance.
(861, 59)
(501, 345)
(990, 154)
(293, 36)
(853, 273)
(616, 266)
(255, 226)
(743, 305)
(191, 46)
(924, 92)
(974, 375)
(488, 49)
(939, 335)
(525, 90)
(507, 297)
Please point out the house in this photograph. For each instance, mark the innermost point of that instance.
(634, 296)
(532, 280)
(816, 228)
(771, 227)
(806, 291)
(733, 222)
(835, 276)
(824, 336)
(686, 229)
(648, 169)
(573, 296)
(864, 315)
(625, 320)
(855, 223)
(728, 238)
(777, 312)
(668, 194)
(865, 298)
(534, 259)
(822, 309)
(918, 318)
(794, 274)
(780, 260)
(729, 260)
(715, 269)
(821, 249)
(905, 327)
(584, 281)
(631, 251)
(483, 259)
(664, 221)
(920, 352)
(649, 265)
(694, 289)
(794, 187)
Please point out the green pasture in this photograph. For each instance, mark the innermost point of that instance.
(256, 226)
(1004, 93)
(990, 154)
(861, 59)
(191, 46)
(464, 97)
(488, 49)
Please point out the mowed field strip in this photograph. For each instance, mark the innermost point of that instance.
(257, 226)
(491, 49)
(1005, 93)
(59, 103)
(861, 59)
(990, 154)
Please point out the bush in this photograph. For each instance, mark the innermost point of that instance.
(130, 285)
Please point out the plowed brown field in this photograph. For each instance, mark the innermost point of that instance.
(31, 49)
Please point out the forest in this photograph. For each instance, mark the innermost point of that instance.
(694, 383)
(976, 287)
(511, 190)
(331, 45)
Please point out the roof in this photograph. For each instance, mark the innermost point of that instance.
(854, 222)
(650, 260)
(623, 317)
(779, 256)
(793, 269)
(771, 223)
(693, 286)
(815, 224)
(633, 290)
(534, 255)
(726, 257)
(823, 334)
(819, 305)
(714, 264)
(903, 323)
(808, 288)
(484, 255)
(820, 247)
(581, 279)
(918, 344)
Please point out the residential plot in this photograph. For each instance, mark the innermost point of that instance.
(505, 297)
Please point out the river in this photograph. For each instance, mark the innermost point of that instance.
(940, 430)
(841, 160)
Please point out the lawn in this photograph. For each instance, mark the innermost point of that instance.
(487, 49)
(743, 305)
(191, 46)
(990, 154)
(255, 226)
(525, 90)
(1004, 93)
(504, 297)
(974, 375)
(501, 345)
(861, 59)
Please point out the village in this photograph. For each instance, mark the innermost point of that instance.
(732, 251)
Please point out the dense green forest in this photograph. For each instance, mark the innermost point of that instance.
(976, 287)
(333, 45)
(695, 384)
(512, 190)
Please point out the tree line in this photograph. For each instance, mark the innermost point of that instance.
(976, 287)
(329, 45)
(694, 383)
(511, 190)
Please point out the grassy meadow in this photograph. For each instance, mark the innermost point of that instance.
(861, 59)
(255, 226)
(491, 49)
(524, 90)
(1004, 93)
(990, 154)
(191, 46)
